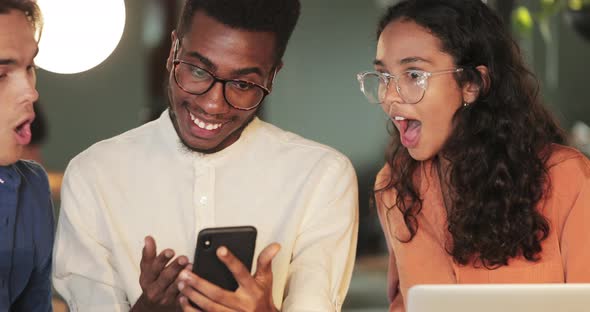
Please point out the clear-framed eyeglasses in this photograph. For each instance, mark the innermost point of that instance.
(240, 94)
(410, 84)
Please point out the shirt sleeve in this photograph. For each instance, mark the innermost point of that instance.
(575, 239)
(83, 273)
(324, 251)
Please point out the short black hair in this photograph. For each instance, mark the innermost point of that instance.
(28, 7)
(276, 16)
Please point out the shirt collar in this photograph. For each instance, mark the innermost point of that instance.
(9, 175)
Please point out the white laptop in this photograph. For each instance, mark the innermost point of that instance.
(499, 298)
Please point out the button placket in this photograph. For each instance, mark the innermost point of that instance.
(203, 195)
(209, 206)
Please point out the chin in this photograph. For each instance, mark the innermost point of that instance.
(196, 147)
(420, 155)
(199, 147)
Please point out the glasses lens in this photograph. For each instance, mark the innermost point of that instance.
(242, 94)
(412, 85)
(374, 87)
(239, 94)
(193, 79)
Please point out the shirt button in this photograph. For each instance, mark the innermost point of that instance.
(203, 200)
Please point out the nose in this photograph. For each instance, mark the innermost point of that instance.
(389, 110)
(213, 101)
(28, 91)
(32, 94)
(392, 95)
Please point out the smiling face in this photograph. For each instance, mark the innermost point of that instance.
(206, 122)
(424, 127)
(18, 47)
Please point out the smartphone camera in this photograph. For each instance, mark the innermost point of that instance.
(207, 242)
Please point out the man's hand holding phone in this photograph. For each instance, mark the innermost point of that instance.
(158, 279)
(254, 292)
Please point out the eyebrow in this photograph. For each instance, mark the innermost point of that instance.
(7, 62)
(378, 63)
(406, 60)
(203, 60)
(209, 64)
(10, 61)
(413, 59)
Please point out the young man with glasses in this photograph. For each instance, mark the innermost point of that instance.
(208, 161)
(26, 213)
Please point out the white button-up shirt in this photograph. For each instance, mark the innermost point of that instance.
(296, 192)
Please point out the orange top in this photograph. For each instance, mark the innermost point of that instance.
(566, 251)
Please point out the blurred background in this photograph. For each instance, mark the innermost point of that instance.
(316, 94)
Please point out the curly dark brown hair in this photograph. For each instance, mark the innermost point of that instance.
(499, 145)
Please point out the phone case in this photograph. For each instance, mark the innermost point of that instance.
(240, 240)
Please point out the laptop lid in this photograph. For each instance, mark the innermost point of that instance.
(499, 297)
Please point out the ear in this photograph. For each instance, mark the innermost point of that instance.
(171, 54)
(273, 74)
(472, 90)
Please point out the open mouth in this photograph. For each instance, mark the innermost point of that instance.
(23, 132)
(204, 127)
(409, 130)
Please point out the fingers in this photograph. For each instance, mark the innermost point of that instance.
(264, 266)
(149, 248)
(254, 293)
(151, 266)
(186, 306)
(202, 293)
(204, 287)
(161, 260)
(157, 278)
(235, 266)
(148, 255)
(169, 278)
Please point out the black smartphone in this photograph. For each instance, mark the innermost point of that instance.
(240, 240)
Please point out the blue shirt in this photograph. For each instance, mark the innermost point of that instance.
(26, 238)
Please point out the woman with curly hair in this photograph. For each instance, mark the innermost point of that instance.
(477, 187)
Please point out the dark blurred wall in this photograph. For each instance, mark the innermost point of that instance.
(97, 104)
(316, 93)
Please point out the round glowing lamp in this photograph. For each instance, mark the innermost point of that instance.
(79, 34)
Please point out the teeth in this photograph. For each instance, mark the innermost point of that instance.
(399, 118)
(201, 124)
